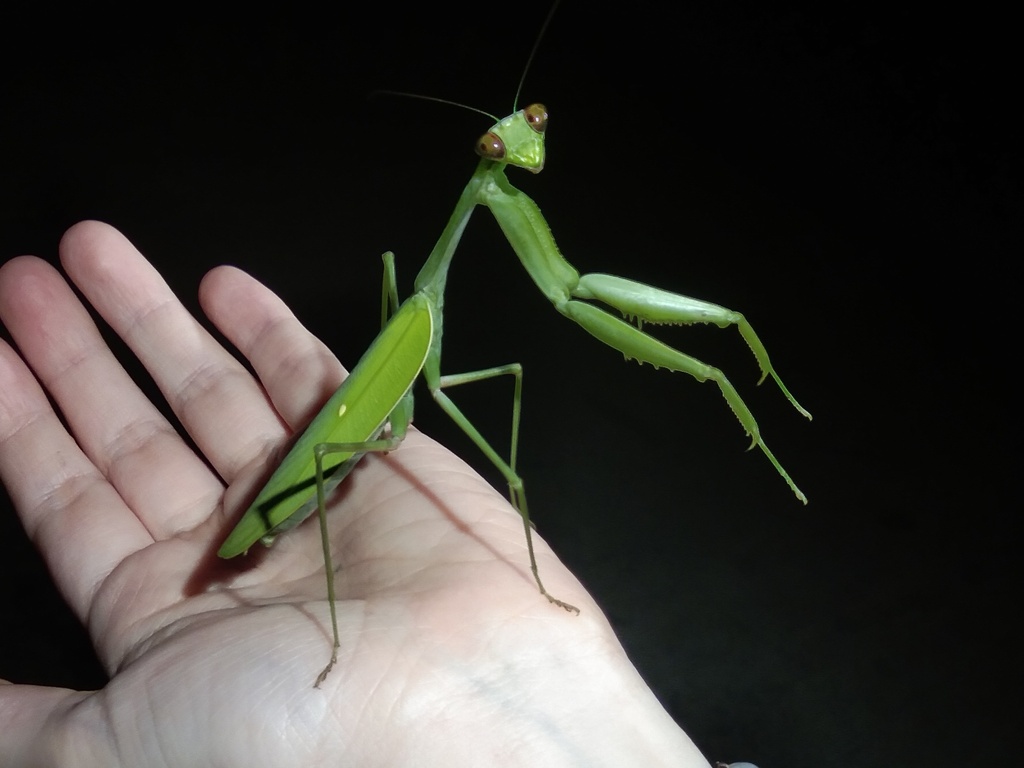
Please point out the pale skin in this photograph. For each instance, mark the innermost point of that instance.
(447, 656)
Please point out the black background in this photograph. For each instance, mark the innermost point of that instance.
(851, 182)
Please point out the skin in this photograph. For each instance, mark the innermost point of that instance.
(448, 658)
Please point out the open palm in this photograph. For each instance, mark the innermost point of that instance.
(449, 656)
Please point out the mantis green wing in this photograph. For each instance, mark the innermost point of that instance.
(348, 425)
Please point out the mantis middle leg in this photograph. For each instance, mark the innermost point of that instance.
(517, 491)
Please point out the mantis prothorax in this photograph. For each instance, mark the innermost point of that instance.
(378, 391)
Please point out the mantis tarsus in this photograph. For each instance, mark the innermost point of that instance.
(378, 393)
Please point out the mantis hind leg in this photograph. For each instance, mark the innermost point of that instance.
(517, 491)
(324, 485)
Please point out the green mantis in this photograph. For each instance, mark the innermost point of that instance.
(377, 394)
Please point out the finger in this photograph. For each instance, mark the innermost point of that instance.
(220, 405)
(297, 370)
(67, 507)
(121, 432)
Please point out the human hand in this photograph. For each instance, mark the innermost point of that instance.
(449, 656)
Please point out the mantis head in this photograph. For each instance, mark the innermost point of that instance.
(518, 139)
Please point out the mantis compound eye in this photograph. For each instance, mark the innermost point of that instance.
(537, 117)
(490, 146)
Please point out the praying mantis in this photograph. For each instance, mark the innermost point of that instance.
(372, 409)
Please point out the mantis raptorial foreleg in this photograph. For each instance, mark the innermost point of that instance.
(647, 304)
(524, 226)
(644, 303)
